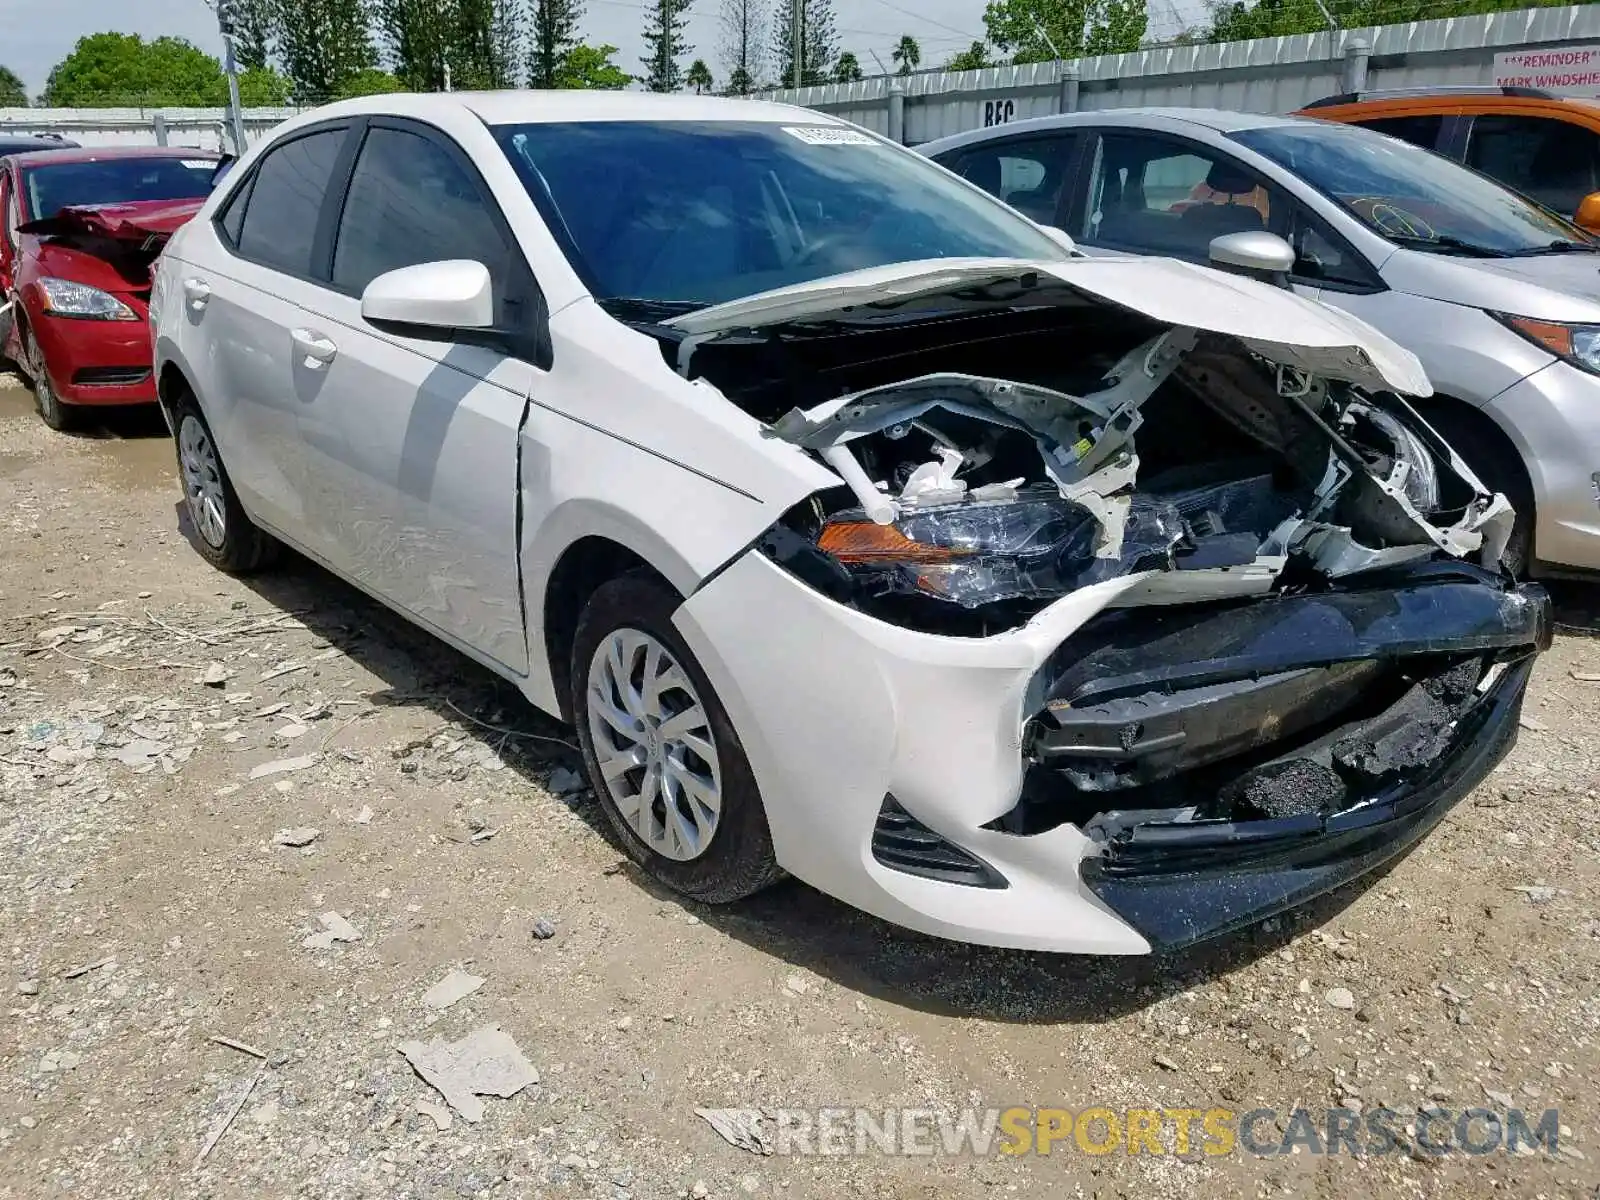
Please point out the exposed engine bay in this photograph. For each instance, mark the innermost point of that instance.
(1317, 608)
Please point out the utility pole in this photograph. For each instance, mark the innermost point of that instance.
(797, 33)
(227, 21)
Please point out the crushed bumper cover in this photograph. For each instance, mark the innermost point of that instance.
(1179, 884)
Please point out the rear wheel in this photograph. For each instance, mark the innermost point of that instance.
(661, 752)
(224, 534)
(58, 416)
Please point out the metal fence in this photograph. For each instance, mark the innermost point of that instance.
(1273, 75)
(1264, 75)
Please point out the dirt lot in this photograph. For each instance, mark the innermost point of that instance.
(134, 843)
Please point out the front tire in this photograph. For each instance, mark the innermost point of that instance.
(224, 534)
(660, 750)
(63, 418)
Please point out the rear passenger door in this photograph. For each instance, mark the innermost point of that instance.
(241, 304)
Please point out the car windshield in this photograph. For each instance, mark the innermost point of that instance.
(1411, 196)
(688, 214)
(54, 186)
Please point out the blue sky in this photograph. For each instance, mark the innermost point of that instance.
(30, 44)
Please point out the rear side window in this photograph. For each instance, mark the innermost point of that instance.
(1027, 173)
(1555, 162)
(280, 215)
(410, 202)
(232, 218)
(1419, 131)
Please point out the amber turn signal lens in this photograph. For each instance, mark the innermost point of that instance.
(1553, 337)
(867, 541)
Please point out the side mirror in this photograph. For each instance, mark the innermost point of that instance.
(453, 294)
(1260, 255)
(1588, 217)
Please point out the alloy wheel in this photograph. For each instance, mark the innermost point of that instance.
(654, 746)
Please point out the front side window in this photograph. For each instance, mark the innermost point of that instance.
(1159, 196)
(1412, 197)
(1027, 173)
(1556, 163)
(410, 202)
(688, 214)
(56, 186)
(286, 195)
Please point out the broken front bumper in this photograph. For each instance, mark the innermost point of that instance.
(889, 761)
(1180, 884)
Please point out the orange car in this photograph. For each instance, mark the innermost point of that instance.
(1545, 146)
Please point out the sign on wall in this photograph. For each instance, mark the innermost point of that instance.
(1565, 70)
(998, 112)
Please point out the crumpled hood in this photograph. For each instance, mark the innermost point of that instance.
(1273, 322)
(138, 222)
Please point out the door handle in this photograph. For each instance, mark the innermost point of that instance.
(198, 291)
(317, 348)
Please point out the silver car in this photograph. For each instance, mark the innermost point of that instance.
(1499, 298)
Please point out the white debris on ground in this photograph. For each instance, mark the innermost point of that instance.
(487, 1062)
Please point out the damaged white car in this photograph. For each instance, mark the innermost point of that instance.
(863, 532)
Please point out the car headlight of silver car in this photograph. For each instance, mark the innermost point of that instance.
(64, 298)
(1577, 344)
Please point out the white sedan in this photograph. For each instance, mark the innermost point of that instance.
(864, 532)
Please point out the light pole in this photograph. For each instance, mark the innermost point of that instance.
(227, 21)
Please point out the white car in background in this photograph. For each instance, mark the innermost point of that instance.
(1498, 298)
(863, 533)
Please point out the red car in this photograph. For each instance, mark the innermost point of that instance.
(79, 231)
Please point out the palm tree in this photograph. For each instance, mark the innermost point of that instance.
(847, 69)
(908, 54)
(699, 77)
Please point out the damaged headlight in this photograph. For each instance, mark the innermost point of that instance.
(1036, 546)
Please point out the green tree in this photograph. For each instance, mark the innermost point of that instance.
(974, 58)
(665, 24)
(418, 35)
(1041, 30)
(323, 44)
(818, 41)
(588, 66)
(264, 87)
(743, 24)
(255, 25)
(848, 68)
(12, 93)
(369, 81)
(699, 77)
(907, 53)
(505, 39)
(108, 69)
(555, 35)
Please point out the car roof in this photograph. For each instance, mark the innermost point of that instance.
(86, 154)
(524, 106)
(1172, 120)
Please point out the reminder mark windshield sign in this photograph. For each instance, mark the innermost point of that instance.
(1564, 70)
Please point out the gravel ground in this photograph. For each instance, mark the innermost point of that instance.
(148, 907)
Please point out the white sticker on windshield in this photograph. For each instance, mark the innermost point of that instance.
(198, 164)
(828, 135)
